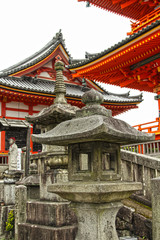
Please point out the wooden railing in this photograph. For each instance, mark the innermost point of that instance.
(150, 127)
(148, 148)
(143, 22)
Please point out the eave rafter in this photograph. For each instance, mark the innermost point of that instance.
(133, 9)
(118, 66)
(33, 99)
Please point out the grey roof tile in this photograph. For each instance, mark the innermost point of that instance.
(45, 86)
(36, 57)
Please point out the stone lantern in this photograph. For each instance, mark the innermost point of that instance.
(95, 188)
(53, 160)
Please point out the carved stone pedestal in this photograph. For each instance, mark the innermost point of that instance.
(96, 221)
(96, 205)
(10, 178)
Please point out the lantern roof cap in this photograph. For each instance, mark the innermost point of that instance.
(92, 123)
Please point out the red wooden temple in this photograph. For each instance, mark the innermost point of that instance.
(28, 87)
(135, 61)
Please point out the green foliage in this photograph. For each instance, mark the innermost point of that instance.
(10, 221)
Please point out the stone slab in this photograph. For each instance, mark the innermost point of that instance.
(142, 226)
(50, 214)
(95, 192)
(9, 194)
(128, 238)
(33, 232)
(125, 213)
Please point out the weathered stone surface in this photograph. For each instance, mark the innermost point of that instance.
(60, 110)
(4, 210)
(12, 154)
(20, 206)
(128, 238)
(94, 200)
(142, 227)
(48, 178)
(2, 169)
(92, 123)
(1, 190)
(141, 159)
(155, 183)
(94, 192)
(96, 221)
(139, 208)
(28, 231)
(126, 214)
(50, 214)
(140, 167)
(9, 193)
(95, 127)
(32, 184)
(123, 225)
(141, 199)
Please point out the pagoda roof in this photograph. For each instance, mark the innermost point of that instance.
(90, 57)
(133, 9)
(24, 82)
(133, 62)
(42, 56)
(47, 87)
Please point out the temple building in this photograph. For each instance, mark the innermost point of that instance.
(28, 87)
(135, 61)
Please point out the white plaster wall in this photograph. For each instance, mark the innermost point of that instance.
(16, 114)
(18, 105)
(44, 74)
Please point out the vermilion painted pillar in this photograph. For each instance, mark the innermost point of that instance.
(158, 98)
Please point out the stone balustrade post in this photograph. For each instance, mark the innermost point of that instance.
(20, 206)
(155, 186)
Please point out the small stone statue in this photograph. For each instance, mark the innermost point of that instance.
(13, 154)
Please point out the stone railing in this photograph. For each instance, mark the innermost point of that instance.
(140, 168)
(135, 167)
(149, 148)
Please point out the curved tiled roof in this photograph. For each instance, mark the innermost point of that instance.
(47, 87)
(92, 57)
(134, 9)
(36, 57)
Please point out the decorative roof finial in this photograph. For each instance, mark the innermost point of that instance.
(92, 97)
(93, 100)
(88, 4)
(60, 88)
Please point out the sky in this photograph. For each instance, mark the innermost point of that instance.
(28, 25)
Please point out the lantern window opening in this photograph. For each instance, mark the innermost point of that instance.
(84, 163)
